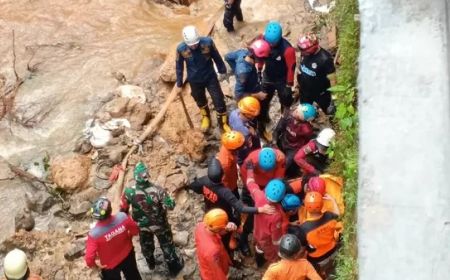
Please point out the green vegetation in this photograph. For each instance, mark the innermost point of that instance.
(345, 152)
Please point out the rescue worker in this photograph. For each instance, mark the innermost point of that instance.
(199, 53)
(316, 73)
(232, 142)
(213, 260)
(312, 158)
(278, 74)
(267, 229)
(242, 62)
(216, 195)
(111, 242)
(243, 119)
(301, 185)
(150, 204)
(293, 264)
(290, 203)
(269, 164)
(232, 9)
(320, 231)
(293, 132)
(15, 266)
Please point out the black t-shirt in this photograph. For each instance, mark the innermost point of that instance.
(313, 71)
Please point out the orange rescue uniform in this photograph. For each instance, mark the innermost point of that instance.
(213, 259)
(229, 165)
(298, 269)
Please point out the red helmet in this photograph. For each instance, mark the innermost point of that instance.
(260, 48)
(317, 184)
(308, 44)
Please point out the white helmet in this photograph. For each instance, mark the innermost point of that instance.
(15, 264)
(325, 136)
(190, 35)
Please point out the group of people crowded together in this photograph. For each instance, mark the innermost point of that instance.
(270, 184)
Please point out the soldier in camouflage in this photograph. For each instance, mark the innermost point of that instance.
(149, 209)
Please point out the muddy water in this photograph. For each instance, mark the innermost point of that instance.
(75, 47)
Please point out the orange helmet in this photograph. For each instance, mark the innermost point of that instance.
(313, 202)
(216, 219)
(249, 105)
(233, 140)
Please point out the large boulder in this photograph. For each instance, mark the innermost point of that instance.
(71, 174)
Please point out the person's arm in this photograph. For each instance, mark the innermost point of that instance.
(300, 159)
(197, 185)
(276, 231)
(330, 70)
(124, 205)
(237, 204)
(91, 252)
(167, 201)
(333, 201)
(289, 57)
(311, 272)
(221, 68)
(179, 66)
(239, 87)
(133, 228)
(230, 58)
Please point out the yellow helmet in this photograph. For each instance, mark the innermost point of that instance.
(216, 219)
(249, 105)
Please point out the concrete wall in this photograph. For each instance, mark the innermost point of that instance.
(404, 105)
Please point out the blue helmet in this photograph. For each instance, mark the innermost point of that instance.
(267, 159)
(309, 111)
(290, 202)
(273, 32)
(275, 190)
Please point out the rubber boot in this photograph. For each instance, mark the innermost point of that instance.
(243, 244)
(259, 258)
(206, 119)
(151, 262)
(222, 122)
(175, 266)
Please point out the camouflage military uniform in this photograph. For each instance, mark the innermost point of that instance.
(149, 209)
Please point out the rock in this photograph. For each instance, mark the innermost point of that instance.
(57, 210)
(24, 220)
(176, 181)
(139, 116)
(78, 209)
(132, 92)
(182, 160)
(60, 275)
(75, 250)
(116, 153)
(181, 238)
(190, 253)
(82, 146)
(116, 107)
(167, 70)
(5, 172)
(39, 202)
(71, 174)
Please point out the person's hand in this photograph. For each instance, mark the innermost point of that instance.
(260, 95)
(327, 197)
(231, 227)
(267, 209)
(99, 264)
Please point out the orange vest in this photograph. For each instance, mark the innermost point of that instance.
(229, 165)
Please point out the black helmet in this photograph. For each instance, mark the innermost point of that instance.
(101, 209)
(289, 246)
(215, 171)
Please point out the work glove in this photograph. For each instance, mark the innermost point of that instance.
(169, 202)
